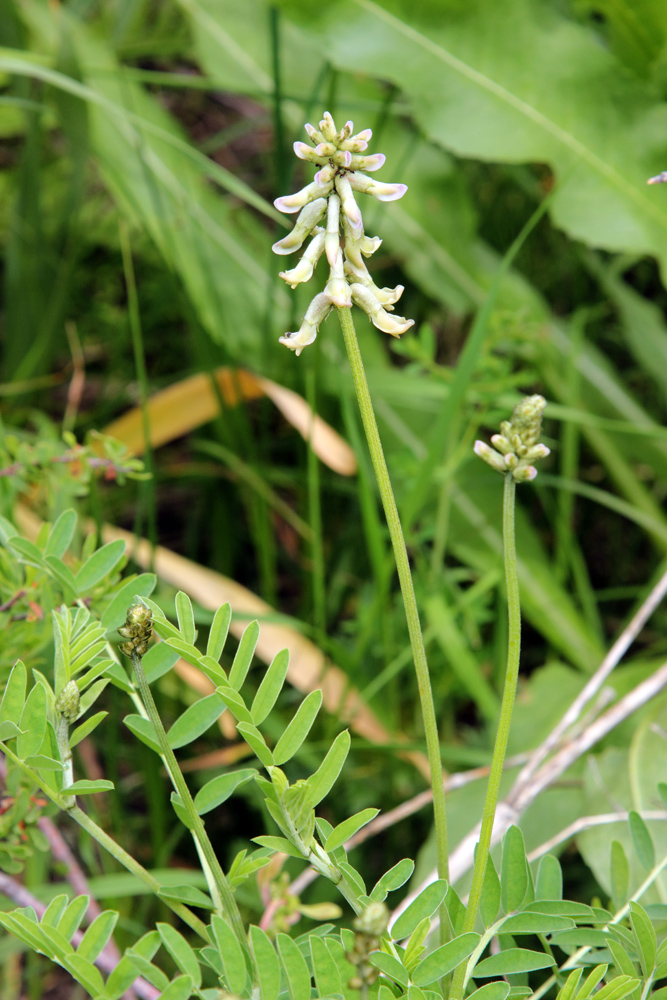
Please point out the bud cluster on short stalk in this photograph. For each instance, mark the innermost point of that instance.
(369, 927)
(331, 200)
(517, 446)
(67, 702)
(136, 630)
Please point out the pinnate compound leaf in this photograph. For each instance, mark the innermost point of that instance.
(425, 905)
(267, 966)
(444, 959)
(642, 840)
(393, 879)
(549, 879)
(492, 991)
(61, 534)
(244, 655)
(32, 723)
(217, 790)
(348, 828)
(195, 720)
(390, 965)
(116, 612)
(619, 873)
(514, 871)
(13, 698)
(270, 688)
(86, 728)
(230, 953)
(180, 951)
(320, 783)
(217, 636)
(512, 960)
(646, 937)
(97, 935)
(99, 565)
(185, 617)
(298, 728)
(295, 968)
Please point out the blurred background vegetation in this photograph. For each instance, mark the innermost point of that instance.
(143, 142)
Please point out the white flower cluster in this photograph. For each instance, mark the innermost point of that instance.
(330, 199)
(518, 444)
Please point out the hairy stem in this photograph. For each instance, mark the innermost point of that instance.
(407, 588)
(504, 722)
(205, 848)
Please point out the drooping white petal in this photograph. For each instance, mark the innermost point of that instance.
(394, 325)
(348, 201)
(304, 269)
(371, 163)
(306, 152)
(319, 188)
(317, 311)
(383, 192)
(303, 227)
(337, 287)
(332, 238)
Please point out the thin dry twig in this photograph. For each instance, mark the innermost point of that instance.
(585, 823)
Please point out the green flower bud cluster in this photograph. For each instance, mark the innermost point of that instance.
(67, 702)
(517, 446)
(369, 927)
(137, 630)
(330, 199)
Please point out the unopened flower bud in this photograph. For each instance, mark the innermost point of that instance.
(304, 269)
(393, 325)
(67, 702)
(383, 192)
(317, 311)
(348, 200)
(303, 227)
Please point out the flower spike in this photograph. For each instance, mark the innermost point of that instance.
(332, 193)
(518, 444)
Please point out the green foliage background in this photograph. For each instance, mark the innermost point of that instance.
(176, 118)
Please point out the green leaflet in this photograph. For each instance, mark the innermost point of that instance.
(425, 905)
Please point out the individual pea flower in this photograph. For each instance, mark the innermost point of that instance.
(517, 446)
(339, 155)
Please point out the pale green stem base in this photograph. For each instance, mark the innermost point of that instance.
(208, 856)
(504, 723)
(407, 589)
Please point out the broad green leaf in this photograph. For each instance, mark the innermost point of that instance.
(120, 979)
(97, 935)
(299, 727)
(8, 730)
(326, 974)
(561, 908)
(217, 790)
(233, 701)
(549, 879)
(99, 565)
(393, 879)
(270, 688)
(244, 655)
(619, 870)
(230, 953)
(642, 840)
(161, 626)
(179, 989)
(158, 660)
(90, 696)
(217, 635)
(591, 981)
(179, 808)
(54, 911)
(28, 550)
(7, 530)
(580, 937)
(646, 937)
(320, 783)
(535, 923)
(61, 534)
(618, 988)
(278, 844)
(514, 871)
(492, 991)
(63, 574)
(348, 828)
(455, 909)
(569, 991)
(180, 951)
(425, 905)
(622, 960)
(512, 960)
(32, 723)
(185, 616)
(390, 965)
(294, 967)
(42, 762)
(71, 919)
(195, 720)
(187, 894)
(255, 740)
(186, 649)
(90, 787)
(86, 728)
(267, 966)
(13, 698)
(143, 728)
(116, 612)
(489, 903)
(119, 678)
(444, 959)
(353, 877)
(96, 670)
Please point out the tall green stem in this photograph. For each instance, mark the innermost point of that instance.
(407, 589)
(208, 855)
(504, 722)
